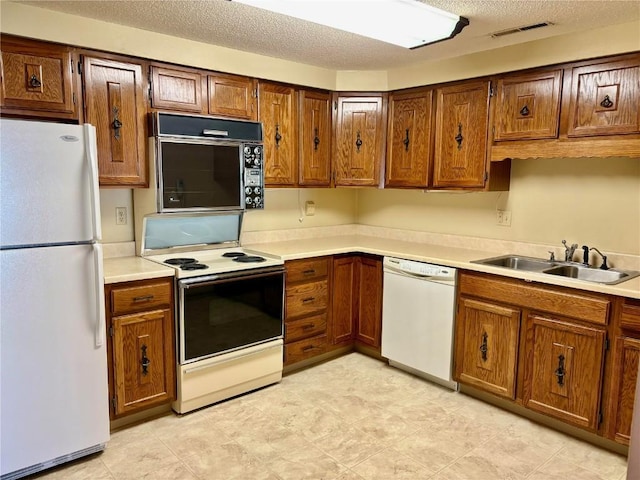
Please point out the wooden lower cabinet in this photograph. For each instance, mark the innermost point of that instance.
(563, 371)
(141, 347)
(624, 384)
(344, 302)
(487, 346)
(368, 325)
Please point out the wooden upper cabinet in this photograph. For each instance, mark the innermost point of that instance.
(358, 139)
(174, 89)
(528, 106)
(232, 96)
(115, 104)
(604, 99)
(37, 79)
(315, 138)
(408, 139)
(487, 346)
(461, 135)
(277, 112)
(563, 371)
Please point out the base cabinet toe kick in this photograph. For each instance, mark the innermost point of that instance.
(561, 352)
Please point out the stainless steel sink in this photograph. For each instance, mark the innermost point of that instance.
(562, 269)
(518, 262)
(589, 274)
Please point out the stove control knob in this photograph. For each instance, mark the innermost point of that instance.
(258, 201)
(257, 150)
(248, 200)
(247, 150)
(247, 190)
(256, 190)
(256, 161)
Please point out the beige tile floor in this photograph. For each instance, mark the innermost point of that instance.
(352, 418)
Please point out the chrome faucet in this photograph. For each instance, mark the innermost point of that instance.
(604, 265)
(569, 251)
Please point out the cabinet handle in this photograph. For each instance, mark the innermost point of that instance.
(144, 298)
(606, 102)
(278, 136)
(308, 299)
(524, 111)
(483, 346)
(34, 82)
(459, 137)
(306, 348)
(144, 361)
(560, 371)
(316, 139)
(116, 124)
(308, 326)
(311, 271)
(358, 141)
(406, 140)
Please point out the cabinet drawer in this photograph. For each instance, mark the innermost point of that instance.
(298, 351)
(630, 317)
(306, 298)
(305, 327)
(303, 270)
(143, 297)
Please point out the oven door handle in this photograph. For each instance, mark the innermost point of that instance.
(205, 281)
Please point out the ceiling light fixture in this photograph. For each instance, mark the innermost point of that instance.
(407, 23)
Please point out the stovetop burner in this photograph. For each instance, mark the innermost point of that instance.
(180, 261)
(249, 259)
(234, 254)
(193, 266)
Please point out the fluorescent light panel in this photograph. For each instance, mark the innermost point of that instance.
(407, 23)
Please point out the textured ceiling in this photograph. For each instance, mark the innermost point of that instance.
(229, 24)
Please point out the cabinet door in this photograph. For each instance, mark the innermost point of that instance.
(115, 105)
(344, 302)
(625, 376)
(37, 79)
(232, 96)
(369, 318)
(461, 135)
(277, 113)
(563, 371)
(408, 136)
(528, 106)
(604, 99)
(315, 138)
(143, 360)
(487, 346)
(173, 89)
(358, 140)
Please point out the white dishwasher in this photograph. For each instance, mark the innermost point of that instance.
(417, 318)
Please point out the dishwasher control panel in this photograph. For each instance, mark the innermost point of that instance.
(418, 268)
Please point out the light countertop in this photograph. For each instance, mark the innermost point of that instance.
(438, 254)
(123, 269)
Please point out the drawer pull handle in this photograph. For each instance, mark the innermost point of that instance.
(143, 298)
(308, 299)
(144, 361)
(560, 371)
(34, 82)
(309, 272)
(308, 326)
(606, 103)
(306, 348)
(483, 346)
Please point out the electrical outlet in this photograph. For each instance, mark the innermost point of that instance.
(121, 215)
(310, 208)
(503, 218)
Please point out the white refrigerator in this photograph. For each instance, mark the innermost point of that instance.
(53, 360)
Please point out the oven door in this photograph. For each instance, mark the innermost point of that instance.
(199, 175)
(227, 312)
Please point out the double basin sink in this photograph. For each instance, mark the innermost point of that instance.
(572, 270)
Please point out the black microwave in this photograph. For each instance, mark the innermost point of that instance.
(207, 163)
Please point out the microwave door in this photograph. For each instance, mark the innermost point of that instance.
(200, 176)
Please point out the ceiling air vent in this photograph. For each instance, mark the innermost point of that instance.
(511, 31)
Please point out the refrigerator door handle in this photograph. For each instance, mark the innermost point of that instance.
(100, 309)
(92, 157)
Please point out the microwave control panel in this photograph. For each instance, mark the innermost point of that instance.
(253, 176)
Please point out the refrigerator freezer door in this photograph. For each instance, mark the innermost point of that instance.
(54, 381)
(45, 184)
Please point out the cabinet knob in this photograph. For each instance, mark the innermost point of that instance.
(560, 371)
(483, 346)
(459, 137)
(358, 141)
(406, 140)
(116, 124)
(606, 102)
(278, 137)
(524, 111)
(144, 361)
(34, 82)
(316, 140)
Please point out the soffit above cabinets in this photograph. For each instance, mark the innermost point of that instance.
(233, 25)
